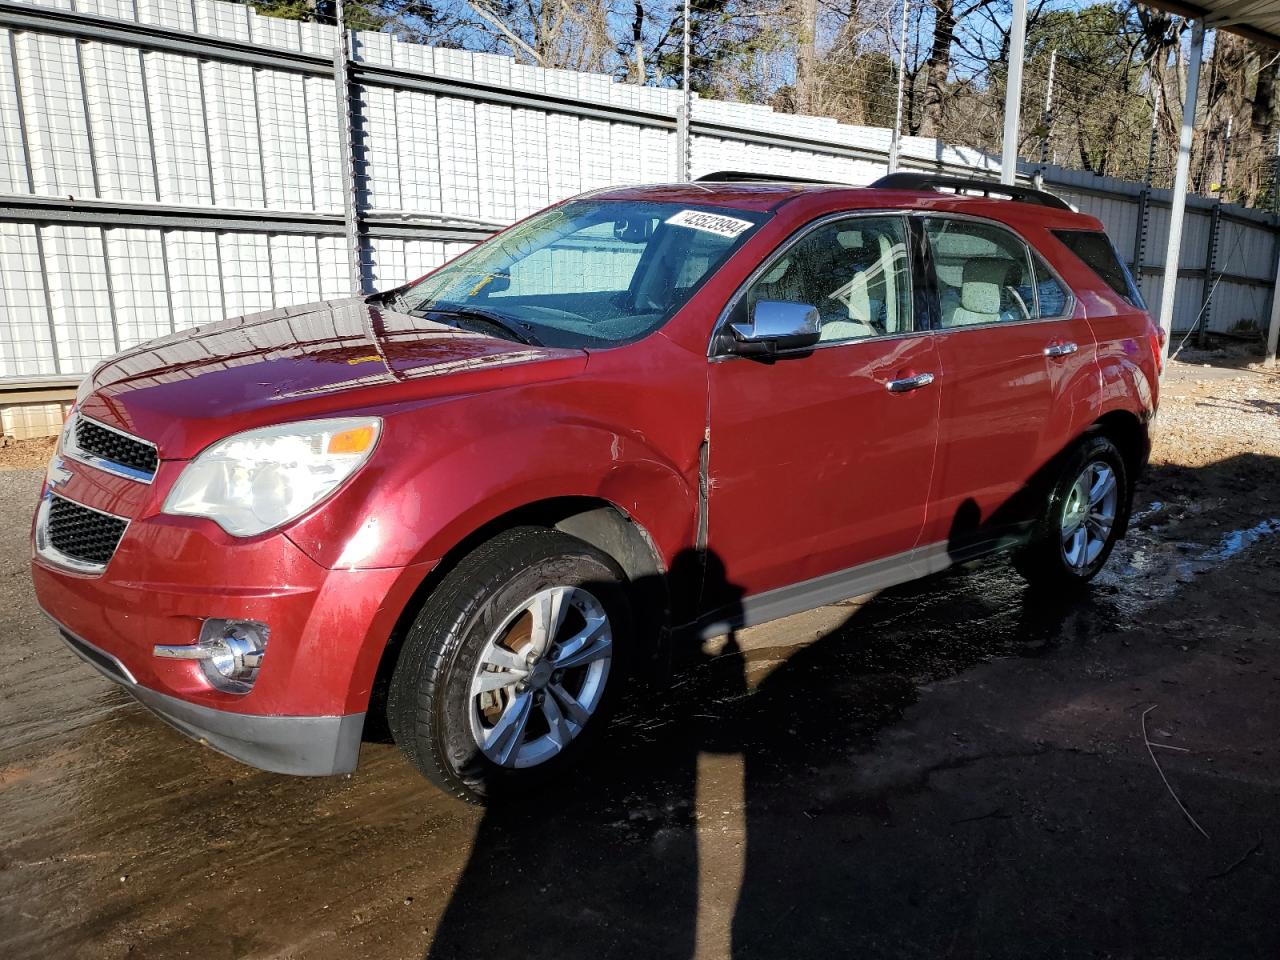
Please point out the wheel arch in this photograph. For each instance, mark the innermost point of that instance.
(1130, 435)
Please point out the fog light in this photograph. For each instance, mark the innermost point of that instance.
(230, 652)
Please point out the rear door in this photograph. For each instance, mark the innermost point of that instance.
(1010, 351)
(815, 464)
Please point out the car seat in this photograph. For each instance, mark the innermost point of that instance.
(988, 293)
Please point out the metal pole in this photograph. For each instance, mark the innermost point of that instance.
(683, 137)
(895, 144)
(346, 145)
(1013, 92)
(1178, 209)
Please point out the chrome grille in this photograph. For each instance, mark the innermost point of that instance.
(112, 450)
(83, 534)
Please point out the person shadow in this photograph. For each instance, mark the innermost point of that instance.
(814, 767)
(605, 864)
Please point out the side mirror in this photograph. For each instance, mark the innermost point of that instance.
(775, 325)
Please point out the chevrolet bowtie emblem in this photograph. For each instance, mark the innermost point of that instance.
(57, 474)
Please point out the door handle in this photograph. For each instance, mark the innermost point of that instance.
(909, 383)
(1060, 349)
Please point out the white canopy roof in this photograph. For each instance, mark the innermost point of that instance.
(1256, 19)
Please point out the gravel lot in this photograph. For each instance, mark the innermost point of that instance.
(949, 768)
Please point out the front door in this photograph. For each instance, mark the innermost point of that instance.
(820, 460)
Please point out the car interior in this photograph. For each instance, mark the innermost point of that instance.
(857, 277)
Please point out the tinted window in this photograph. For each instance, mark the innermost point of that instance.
(1051, 296)
(1099, 255)
(585, 273)
(984, 273)
(857, 272)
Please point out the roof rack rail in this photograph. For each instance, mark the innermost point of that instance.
(930, 181)
(742, 176)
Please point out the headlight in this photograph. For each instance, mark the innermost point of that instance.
(260, 479)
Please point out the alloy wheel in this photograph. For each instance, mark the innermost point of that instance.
(540, 677)
(1089, 514)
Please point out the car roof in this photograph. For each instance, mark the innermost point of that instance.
(762, 196)
(770, 196)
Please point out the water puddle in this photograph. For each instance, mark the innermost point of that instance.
(1151, 563)
(1240, 540)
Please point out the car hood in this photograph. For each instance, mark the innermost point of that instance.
(187, 390)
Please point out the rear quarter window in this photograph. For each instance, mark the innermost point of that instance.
(1099, 255)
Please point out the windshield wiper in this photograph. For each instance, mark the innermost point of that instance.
(516, 329)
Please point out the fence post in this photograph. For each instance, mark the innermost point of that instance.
(1211, 253)
(1273, 327)
(684, 136)
(895, 142)
(346, 146)
(1144, 197)
(1274, 204)
(1046, 118)
(1226, 159)
(1210, 268)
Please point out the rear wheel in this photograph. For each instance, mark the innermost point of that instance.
(1087, 512)
(512, 666)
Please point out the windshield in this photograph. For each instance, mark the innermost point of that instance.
(586, 273)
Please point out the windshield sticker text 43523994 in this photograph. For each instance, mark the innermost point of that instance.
(709, 222)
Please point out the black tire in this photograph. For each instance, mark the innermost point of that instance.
(1043, 561)
(429, 702)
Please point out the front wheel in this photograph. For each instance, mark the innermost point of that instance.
(1087, 512)
(512, 665)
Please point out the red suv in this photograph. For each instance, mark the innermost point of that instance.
(472, 508)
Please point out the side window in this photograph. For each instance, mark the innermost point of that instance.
(984, 273)
(1099, 254)
(1051, 296)
(857, 272)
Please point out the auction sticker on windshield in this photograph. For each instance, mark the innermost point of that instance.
(709, 222)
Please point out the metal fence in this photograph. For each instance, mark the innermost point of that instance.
(167, 163)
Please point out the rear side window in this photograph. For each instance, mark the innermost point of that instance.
(1099, 255)
(984, 273)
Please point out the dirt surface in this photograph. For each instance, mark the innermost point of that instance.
(951, 768)
(26, 454)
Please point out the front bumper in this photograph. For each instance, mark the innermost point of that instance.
(305, 746)
(328, 630)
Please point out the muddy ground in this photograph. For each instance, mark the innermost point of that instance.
(951, 768)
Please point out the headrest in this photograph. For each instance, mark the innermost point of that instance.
(983, 279)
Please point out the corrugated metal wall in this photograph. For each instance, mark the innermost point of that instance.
(1246, 255)
(187, 156)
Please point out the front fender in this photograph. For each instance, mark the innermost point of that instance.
(414, 509)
